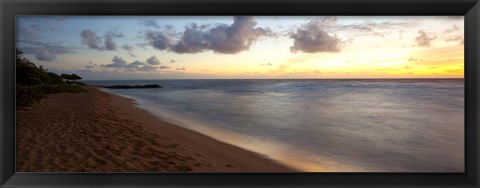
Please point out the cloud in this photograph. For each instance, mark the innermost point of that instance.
(172, 61)
(330, 24)
(181, 69)
(454, 28)
(423, 39)
(158, 40)
(25, 34)
(414, 59)
(147, 68)
(117, 62)
(226, 39)
(455, 17)
(315, 39)
(44, 51)
(223, 38)
(164, 67)
(44, 54)
(109, 43)
(267, 64)
(135, 65)
(328, 21)
(458, 38)
(29, 43)
(90, 39)
(153, 61)
(127, 47)
(149, 22)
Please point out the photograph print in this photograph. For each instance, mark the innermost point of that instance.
(169, 94)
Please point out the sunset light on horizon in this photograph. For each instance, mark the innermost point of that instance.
(257, 47)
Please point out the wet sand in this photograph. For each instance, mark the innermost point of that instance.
(100, 132)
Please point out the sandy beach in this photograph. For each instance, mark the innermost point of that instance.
(99, 132)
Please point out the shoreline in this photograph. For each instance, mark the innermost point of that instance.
(118, 136)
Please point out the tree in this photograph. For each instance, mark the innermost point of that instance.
(75, 77)
(27, 73)
(54, 78)
(70, 77)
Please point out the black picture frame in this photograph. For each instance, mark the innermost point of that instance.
(11, 8)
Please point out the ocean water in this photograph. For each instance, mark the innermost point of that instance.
(321, 125)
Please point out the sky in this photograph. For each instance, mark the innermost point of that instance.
(245, 47)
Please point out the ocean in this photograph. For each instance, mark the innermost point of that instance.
(369, 125)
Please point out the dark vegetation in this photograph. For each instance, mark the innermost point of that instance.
(34, 83)
(132, 86)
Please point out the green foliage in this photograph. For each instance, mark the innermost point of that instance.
(29, 74)
(70, 77)
(28, 94)
(54, 78)
(34, 83)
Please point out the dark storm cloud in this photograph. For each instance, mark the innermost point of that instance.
(222, 38)
(153, 61)
(423, 39)
(313, 38)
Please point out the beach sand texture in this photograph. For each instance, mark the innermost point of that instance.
(99, 132)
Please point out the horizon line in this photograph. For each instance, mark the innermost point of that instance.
(280, 79)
